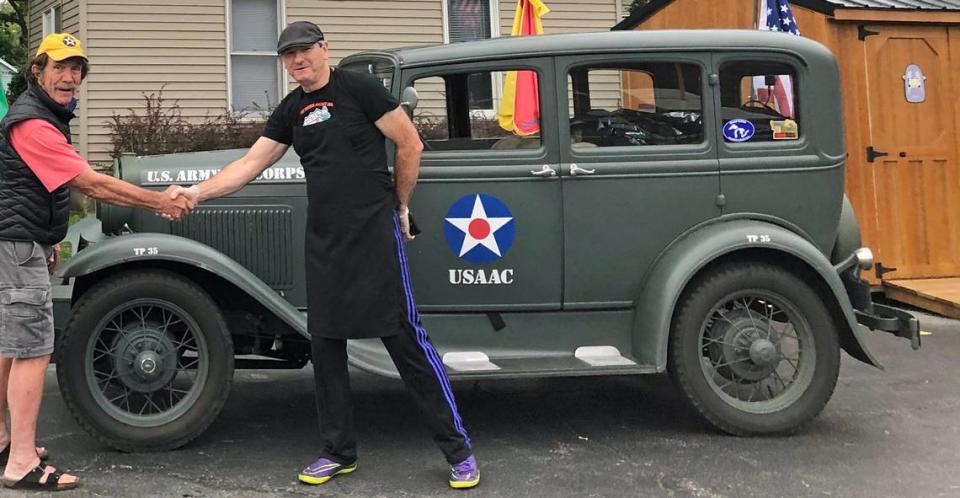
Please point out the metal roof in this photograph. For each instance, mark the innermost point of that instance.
(898, 4)
(515, 47)
(826, 7)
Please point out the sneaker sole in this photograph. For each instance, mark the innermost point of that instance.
(465, 484)
(320, 480)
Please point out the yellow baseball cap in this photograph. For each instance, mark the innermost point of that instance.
(60, 46)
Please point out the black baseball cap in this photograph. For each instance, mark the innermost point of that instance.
(299, 34)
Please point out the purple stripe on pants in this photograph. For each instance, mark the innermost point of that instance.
(413, 318)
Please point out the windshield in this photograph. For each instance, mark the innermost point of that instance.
(379, 68)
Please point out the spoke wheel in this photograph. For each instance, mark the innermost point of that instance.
(754, 349)
(146, 364)
(759, 353)
(145, 361)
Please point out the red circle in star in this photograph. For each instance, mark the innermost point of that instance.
(479, 229)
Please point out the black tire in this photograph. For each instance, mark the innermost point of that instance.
(730, 349)
(159, 341)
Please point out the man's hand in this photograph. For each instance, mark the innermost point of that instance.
(177, 202)
(192, 193)
(403, 212)
(54, 260)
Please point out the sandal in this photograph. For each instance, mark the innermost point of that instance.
(31, 481)
(5, 455)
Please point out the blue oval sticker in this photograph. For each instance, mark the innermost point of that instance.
(738, 130)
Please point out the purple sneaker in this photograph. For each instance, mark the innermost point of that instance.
(465, 474)
(323, 470)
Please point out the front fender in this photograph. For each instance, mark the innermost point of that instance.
(141, 247)
(680, 262)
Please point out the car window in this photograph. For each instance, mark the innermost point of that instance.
(635, 104)
(460, 112)
(758, 101)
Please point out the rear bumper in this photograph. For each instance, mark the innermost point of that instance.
(872, 315)
(897, 322)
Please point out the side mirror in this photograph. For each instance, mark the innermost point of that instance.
(409, 98)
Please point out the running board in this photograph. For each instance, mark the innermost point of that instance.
(602, 356)
(469, 361)
(370, 355)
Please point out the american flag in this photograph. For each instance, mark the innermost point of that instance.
(777, 16)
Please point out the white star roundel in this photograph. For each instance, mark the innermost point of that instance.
(479, 228)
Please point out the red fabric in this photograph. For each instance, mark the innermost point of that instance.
(526, 112)
(46, 152)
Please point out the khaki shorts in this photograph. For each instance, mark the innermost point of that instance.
(26, 302)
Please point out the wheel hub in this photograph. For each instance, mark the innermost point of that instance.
(763, 353)
(145, 359)
(146, 365)
(745, 350)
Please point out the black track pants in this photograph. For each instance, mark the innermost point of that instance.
(424, 376)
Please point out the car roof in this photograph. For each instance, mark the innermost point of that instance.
(603, 41)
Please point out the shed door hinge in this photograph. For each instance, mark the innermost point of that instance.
(863, 32)
(881, 270)
(873, 154)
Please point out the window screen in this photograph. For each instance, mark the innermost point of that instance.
(51, 21)
(469, 20)
(254, 65)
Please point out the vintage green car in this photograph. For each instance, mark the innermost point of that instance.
(678, 207)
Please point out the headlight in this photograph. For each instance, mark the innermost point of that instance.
(864, 258)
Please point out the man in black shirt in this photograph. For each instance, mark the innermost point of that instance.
(357, 224)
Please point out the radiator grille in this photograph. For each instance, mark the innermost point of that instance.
(259, 238)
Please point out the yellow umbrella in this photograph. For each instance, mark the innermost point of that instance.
(520, 108)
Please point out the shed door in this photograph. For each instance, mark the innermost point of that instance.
(917, 183)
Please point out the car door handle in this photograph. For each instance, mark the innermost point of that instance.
(577, 170)
(546, 170)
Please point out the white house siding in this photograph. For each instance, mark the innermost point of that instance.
(354, 25)
(137, 47)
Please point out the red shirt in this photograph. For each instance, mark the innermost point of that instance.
(46, 152)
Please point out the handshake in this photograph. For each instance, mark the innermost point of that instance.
(177, 202)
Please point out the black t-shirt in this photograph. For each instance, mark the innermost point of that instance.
(353, 270)
(351, 101)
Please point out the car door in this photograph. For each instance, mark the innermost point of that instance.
(488, 202)
(774, 127)
(637, 167)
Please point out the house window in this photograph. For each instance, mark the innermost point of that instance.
(51, 21)
(469, 20)
(254, 64)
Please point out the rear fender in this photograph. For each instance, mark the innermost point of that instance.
(681, 262)
(144, 247)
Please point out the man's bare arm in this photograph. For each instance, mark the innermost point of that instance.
(114, 191)
(396, 126)
(263, 154)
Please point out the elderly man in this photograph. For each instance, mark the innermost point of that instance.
(38, 167)
(358, 221)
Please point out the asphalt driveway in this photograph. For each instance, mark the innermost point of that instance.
(884, 433)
